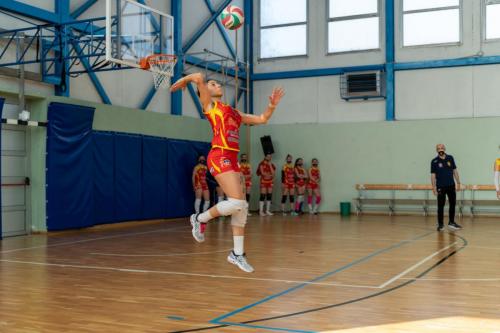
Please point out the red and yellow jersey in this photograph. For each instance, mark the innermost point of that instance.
(225, 122)
(315, 175)
(246, 171)
(497, 164)
(200, 175)
(266, 171)
(300, 172)
(288, 176)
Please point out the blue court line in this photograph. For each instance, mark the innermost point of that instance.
(175, 318)
(266, 327)
(219, 319)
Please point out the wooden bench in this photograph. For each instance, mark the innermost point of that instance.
(392, 203)
(476, 205)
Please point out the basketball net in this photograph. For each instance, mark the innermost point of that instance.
(161, 67)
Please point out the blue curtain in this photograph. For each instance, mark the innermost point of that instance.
(154, 178)
(69, 167)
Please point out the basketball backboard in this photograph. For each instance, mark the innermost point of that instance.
(135, 31)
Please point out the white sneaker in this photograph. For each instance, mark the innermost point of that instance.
(249, 214)
(284, 213)
(196, 231)
(240, 261)
(269, 213)
(261, 213)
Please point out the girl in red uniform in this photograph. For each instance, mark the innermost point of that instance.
(288, 184)
(313, 186)
(246, 173)
(200, 185)
(266, 171)
(223, 159)
(300, 182)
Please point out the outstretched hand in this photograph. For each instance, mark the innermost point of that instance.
(276, 96)
(179, 84)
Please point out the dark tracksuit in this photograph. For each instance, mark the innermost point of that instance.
(445, 183)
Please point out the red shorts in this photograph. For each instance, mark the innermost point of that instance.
(312, 186)
(222, 160)
(301, 183)
(266, 185)
(248, 184)
(288, 186)
(201, 186)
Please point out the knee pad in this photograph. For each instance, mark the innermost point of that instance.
(248, 197)
(269, 196)
(292, 198)
(231, 206)
(283, 199)
(262, 197)
(239, 219)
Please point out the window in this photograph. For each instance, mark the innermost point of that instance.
(492, 19)
(353, 25)
(283, 28)
(427, 22)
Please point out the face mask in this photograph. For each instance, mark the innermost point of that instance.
(244, 161)
(288, 161)
(315, 164)
(441, 153)
(300, 164)
(202, 162)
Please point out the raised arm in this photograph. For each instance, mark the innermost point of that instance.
(199, 80)
(274, 100)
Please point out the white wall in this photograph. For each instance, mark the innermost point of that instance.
(461, 92)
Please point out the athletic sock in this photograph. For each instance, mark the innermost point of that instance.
(205, 217)
(239, 245)
(206, 204)
(197, 203)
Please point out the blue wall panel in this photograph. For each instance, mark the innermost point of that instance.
(104, 177)
(154, 178)
(70, 202)
(128, 177)
(182, 157)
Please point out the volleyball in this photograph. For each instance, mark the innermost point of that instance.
(232, 17)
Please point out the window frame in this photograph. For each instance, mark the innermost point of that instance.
(306, 23)
(484, 6)
(349, 18)
(402, 26)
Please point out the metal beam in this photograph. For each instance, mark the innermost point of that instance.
(205, 25)
(176, 97)
(83, 8)
(212, 66)
(390, 58)
(222, 30)
(93, 77)
(149, 97)
(445, 63)
(196, 101)
(29, 11)
(313, 72)
(248, 5)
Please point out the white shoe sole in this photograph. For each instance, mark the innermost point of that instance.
(199, 240)
(454, 228)
(232, 261)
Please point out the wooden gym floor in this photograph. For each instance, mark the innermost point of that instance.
(313, 274)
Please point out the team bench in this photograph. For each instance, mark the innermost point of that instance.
(400, 197)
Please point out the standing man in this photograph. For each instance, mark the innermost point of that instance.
(445, 181)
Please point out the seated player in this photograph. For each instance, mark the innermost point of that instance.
(300, 182)
(266, 171)
(200, 185)
(246, 172)
(313, 186)
(288, 185)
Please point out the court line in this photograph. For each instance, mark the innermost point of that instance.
(408, 270)
(147, 271)
(457, 280)
(219, 320)
(92, 239)
(157, 255)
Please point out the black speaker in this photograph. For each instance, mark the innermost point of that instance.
(267, 144)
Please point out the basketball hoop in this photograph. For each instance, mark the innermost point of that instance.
(162, 68)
